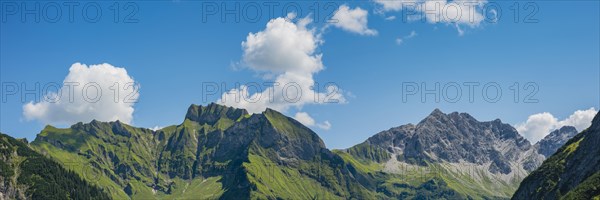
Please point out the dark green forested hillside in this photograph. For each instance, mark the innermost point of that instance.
(26, 174)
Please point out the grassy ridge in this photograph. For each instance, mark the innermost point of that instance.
(203, 157)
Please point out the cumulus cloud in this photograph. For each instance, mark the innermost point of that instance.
(580, 119)
(539, 125)
(285, 53)
(283, 46)
(87, 93)
(456, 12)
(352, 20)
(307, 120)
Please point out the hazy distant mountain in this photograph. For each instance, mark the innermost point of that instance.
(25, 174)
(573, 172)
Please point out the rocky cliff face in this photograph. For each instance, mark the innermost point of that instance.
(460, 148)
(555, 140)
(573, 172)
(454, 138)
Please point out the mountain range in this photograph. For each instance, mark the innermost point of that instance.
(221, 152)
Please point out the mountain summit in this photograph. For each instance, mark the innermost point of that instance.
(553, 141)
(454, 138)
(455, 147)
(212, 113)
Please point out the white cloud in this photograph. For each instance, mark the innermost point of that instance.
(352, 20)
(283, 47)
(392, 5)
(580, 119)
(539, 125)
(74, 103)
(156, 128)
(390, 18)
(456, 12)
(304, 118)
(285, 53)
(307, 120)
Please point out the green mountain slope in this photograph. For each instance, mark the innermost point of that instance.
(220, 152)
(573, 172)
(217, 152)
(25, 174)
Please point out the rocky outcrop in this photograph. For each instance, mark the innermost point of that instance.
(556, 139)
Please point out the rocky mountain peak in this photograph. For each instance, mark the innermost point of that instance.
(567, 129)
(434, 116)
(436, 112)
(454, 138)
(211, 113)
(554, 140)
(439, 118)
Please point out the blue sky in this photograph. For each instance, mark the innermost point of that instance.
(170, 51)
